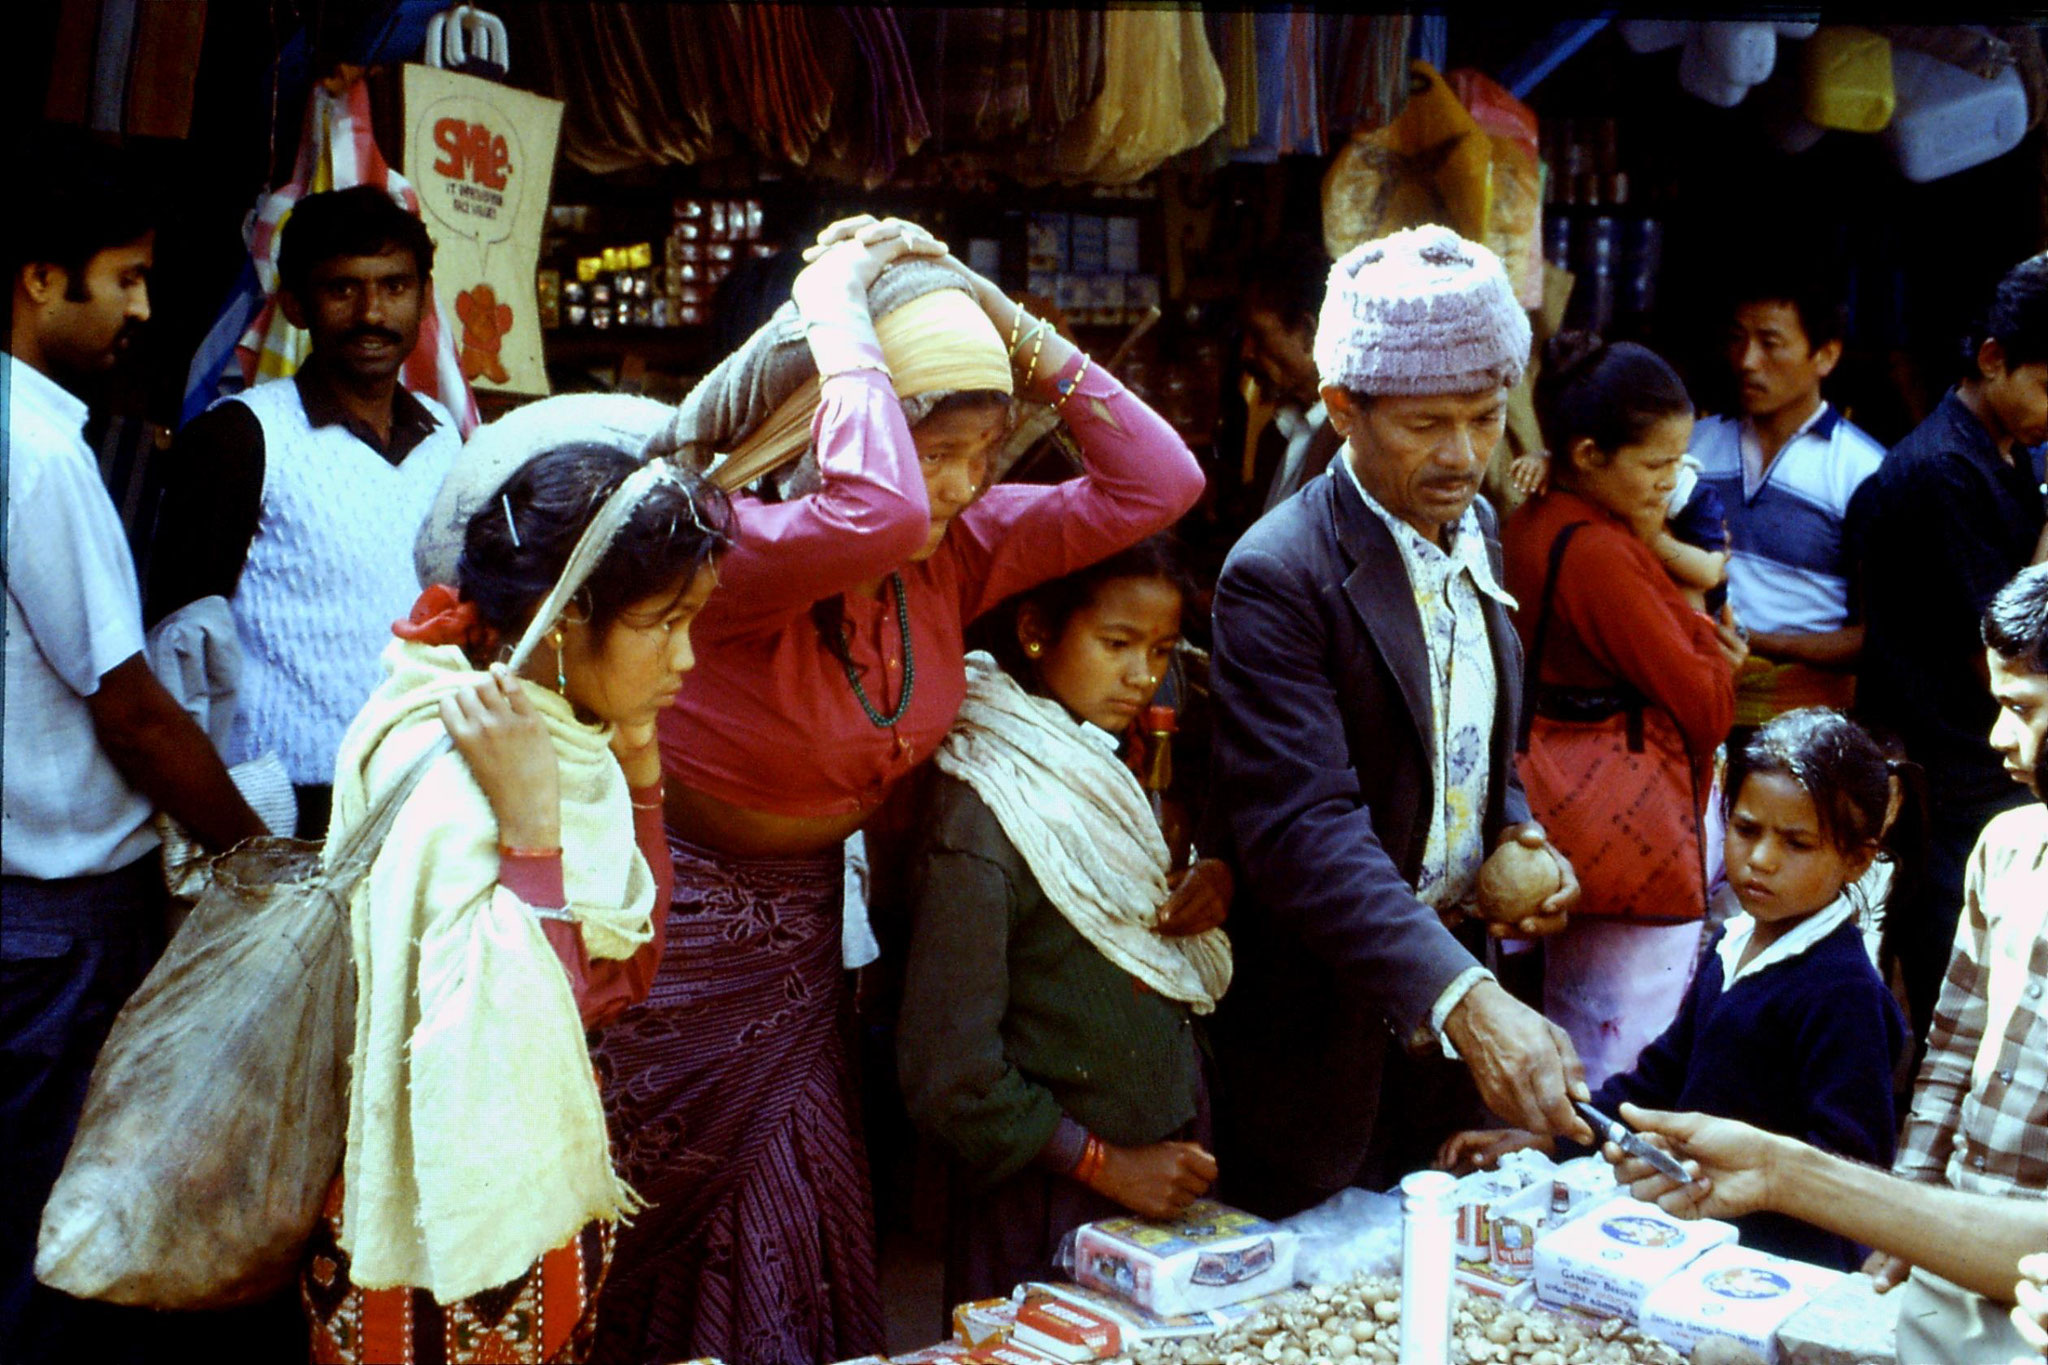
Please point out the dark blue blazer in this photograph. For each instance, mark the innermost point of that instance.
(1322, 786)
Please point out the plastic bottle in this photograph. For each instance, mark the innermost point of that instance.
(1428, 1231)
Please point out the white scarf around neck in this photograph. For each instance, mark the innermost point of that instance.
(1081, 822)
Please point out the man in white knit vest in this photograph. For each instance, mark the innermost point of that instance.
(299, 499)
(93, 743)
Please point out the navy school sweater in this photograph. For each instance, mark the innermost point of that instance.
(1805, 1048)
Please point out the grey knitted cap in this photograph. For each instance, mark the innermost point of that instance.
(1422, 311)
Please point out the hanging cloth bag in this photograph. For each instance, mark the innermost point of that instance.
(217, 1111)
(1609, 778)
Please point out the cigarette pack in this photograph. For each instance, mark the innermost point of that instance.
(1209, 1257)
(1733, 1292)
(1010, 1353)
(984, 1322)
(1611, 1257)
(1066, 1331)
(1137, 1324)
(945, 1353)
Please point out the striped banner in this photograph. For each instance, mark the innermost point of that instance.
(338, 153)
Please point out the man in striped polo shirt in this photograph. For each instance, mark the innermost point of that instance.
(1785, 470)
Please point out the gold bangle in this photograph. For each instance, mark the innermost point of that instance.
(1016, 329)
(1031, 375)
(1017, 341)
(1066, 387)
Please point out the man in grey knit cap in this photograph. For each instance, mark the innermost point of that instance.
(1366, 677)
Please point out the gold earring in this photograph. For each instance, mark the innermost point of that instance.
(1034, 649)
(561, 672)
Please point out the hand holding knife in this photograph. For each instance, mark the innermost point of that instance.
(1613, 1130)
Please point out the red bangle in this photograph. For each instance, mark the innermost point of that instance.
(1090, 1164)
(513, 851)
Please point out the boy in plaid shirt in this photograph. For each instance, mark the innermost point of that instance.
(1979, 1121)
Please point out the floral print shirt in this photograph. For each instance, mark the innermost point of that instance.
(1463, 691)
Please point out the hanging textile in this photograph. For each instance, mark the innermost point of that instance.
(639, 83)
(1238, 54)
(1288, 83)
(1162, 93)
(336, 153)
(1065, 68)
(980, 73)
(1367, 79)
(777, 90)
(878, 116)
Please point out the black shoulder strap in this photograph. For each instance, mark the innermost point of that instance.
(1532, 670)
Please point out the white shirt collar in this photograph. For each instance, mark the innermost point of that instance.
(1296, 424)
(1795, 941)
(59, 404)
(1467, 549)
(1752, 446)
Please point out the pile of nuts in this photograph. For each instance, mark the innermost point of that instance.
(1360, 1322)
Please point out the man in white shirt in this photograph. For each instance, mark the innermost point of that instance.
(1785, 471)
(93, 744)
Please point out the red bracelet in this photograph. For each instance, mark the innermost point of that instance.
(1090, 1164)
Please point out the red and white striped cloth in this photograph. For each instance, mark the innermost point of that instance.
(339, 152)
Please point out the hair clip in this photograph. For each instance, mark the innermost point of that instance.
(505, 501)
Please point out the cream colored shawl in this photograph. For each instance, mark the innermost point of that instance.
(1082, 824)
(476, 1135)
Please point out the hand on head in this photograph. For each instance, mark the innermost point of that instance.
(868, 245)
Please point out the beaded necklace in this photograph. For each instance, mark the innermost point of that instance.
(909, 665)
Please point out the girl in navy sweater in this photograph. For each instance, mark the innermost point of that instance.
(1787, 1024)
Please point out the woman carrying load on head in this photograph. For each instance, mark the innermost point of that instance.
(518, 899)
(832, 664)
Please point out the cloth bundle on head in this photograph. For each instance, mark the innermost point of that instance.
(502, 448)
(752, 414)
(1422, 311)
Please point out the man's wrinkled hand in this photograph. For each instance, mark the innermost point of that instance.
(1527, 1070)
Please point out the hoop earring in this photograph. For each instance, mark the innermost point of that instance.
(561, 671)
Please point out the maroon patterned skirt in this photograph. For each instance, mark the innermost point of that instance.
(730, 1101)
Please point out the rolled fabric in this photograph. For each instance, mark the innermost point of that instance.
(499, 449)
(752, 414)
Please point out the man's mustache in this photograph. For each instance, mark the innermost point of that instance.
(374, 334)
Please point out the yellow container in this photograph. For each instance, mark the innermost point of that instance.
(1847, 73)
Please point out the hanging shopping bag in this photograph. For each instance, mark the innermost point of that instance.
(218, 1109)
(1609, 779)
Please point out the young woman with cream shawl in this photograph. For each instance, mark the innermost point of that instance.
(831, 667)
(1057, 968)
(513, 905)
